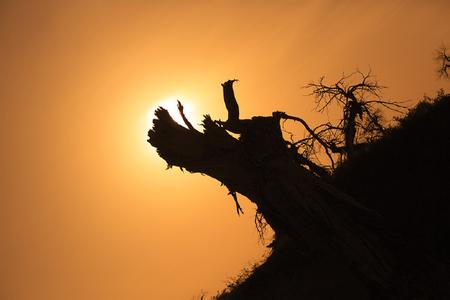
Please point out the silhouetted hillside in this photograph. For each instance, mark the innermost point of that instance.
(405, 178)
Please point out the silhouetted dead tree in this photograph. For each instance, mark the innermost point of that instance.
(266, 169)
(361, 121)
(444, 61)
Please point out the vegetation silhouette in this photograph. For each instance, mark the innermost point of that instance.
(374, 228)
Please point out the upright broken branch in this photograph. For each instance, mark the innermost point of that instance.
(185, 120)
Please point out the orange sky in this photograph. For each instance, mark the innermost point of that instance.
(87, 210)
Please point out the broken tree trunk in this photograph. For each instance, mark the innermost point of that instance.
(293, 200)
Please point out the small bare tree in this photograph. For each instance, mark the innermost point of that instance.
(361, 121)
(444, 62)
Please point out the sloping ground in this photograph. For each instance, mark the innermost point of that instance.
(405, 177)
(286, 275)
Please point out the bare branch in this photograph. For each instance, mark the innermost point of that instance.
(183, 116)
(444, 62)
(326, 145)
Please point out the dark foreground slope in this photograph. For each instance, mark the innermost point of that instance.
(405, 177)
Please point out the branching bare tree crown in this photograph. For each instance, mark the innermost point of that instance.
(361, 122)
(444, 62)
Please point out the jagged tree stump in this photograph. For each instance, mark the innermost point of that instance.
(293, 200)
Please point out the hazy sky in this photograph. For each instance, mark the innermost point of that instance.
(87, 210)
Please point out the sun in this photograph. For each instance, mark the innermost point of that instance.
(170, 104)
